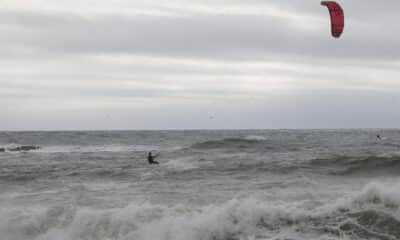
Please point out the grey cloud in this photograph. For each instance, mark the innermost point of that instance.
(205, 36)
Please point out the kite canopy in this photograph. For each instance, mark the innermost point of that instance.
(337, 17)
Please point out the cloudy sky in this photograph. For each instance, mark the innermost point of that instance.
(179, 64)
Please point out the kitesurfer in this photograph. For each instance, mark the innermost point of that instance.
(151, 158)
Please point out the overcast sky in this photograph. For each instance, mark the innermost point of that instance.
(195, 64)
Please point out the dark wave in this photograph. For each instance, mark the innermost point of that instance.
(226, 143)
(372, 224)
(22, 148)
(34, 173)
(253, 143)
(18, 178)
(344, 165)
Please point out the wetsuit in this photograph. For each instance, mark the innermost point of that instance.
(150, 158)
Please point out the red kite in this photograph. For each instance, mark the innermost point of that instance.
(337, 17)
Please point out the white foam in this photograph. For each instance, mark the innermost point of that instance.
(256, 138)
(187, 163)
(382, 193)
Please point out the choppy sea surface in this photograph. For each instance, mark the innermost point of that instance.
(209, 185)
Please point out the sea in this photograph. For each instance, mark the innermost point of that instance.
(209, 185)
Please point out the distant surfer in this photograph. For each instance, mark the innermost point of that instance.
(379, 137)
(151, 158)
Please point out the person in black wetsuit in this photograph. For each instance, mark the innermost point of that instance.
(151, 158)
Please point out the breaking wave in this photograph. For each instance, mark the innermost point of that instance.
(372, 213)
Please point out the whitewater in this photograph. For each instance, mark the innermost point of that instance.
(209, 185)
